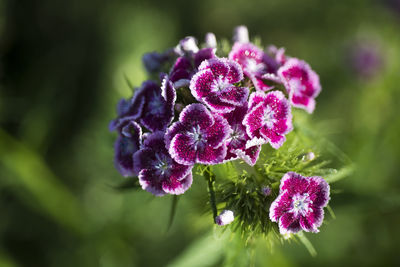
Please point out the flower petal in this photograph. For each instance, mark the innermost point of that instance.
(149, 180)
(202, 83)
(234, 95)
(210, 155)
(182, 149)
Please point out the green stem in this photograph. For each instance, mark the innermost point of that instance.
(210, 178)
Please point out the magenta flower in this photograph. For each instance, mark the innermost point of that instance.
(158, 173)
(214, 85)
(198, 136)
(256, 65)
(300, 203)
(237, 140)
(301, 83)
(128, 142)
(269, 119)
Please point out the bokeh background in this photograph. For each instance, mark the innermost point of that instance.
(62, 71)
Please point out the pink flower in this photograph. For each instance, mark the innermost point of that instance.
(198, 136)
(269, 119)
(256, 65)
(300, 203)
(214, 85)
(301, 83)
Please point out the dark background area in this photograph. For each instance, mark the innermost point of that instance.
(62, 70)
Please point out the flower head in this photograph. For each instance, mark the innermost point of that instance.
(225, 217)
(255, 63)
(158, 173)
(214, 85)
(238, 138)
(300, 203)
(301, 83)
(128, 142)
(198, 136)
(269, 118)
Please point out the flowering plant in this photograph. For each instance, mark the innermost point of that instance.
(229, 114)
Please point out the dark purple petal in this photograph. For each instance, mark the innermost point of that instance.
(174, 129)
(182, 149)
(133, 130)
(312, 221)
(217, 66)
(125, 147)
(153, 61)
(254, 121)
(177, 187)
(202, 83)
(319, 191)
(210, 155)
(274, 139)
(218, 132)
(196, 115)
(216, 105)
(293, 183)
(280, 206)
(288, 224)
(234, 95)
(235, 73)
(151, 182)
(143, 159)
(203, 54)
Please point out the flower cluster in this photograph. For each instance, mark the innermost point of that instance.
(210, 108)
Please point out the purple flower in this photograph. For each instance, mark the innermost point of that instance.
(155, 104)
(198, 136)
(300, 203)
(255, 63)
(301, 83)
(237, 140)
(214, 85)
(159, 174)
(269, 119)
(128, 142)
(189, 60)
(224, 218)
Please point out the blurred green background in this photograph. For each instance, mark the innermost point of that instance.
(62, 72)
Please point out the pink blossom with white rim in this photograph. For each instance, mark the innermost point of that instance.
(214, 85)
(269, 119)
(300, 203)
(301, 83)
(255, 63)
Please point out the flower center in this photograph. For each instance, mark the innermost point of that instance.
(269, 118)
(301, 204)
(197, 137)
(221, 84)
(156, 105)
(252, 66)
(161, 164)
(236, 137)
